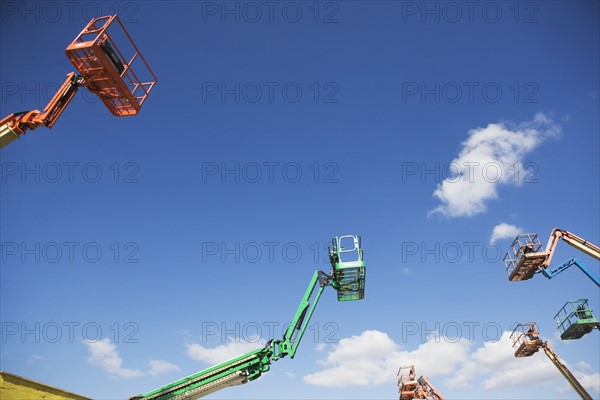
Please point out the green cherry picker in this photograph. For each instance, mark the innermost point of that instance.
(346, 277)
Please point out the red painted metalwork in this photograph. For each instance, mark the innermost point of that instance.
(107, 70)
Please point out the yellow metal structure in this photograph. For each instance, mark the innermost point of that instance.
(14, 387)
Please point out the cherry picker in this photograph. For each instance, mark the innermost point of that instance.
(526, 342)
(410, 388)
(346, 277)
(526, 257)
(103, 68)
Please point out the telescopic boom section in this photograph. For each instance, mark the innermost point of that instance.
(565, 372)
(236, 371)
(570, 238)
(17, 124)
(552, 272)
(250, 366)
(429, 389)
(295, 332)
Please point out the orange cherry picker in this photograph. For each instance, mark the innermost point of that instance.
(526, 256)
(410, 388)
(103, 68)
(526, 342)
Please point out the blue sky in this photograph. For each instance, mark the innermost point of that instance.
(170, 239)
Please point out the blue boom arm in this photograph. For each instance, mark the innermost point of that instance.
(551, 273)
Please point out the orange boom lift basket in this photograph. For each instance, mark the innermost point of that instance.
(108, 70)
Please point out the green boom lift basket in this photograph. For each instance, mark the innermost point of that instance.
(348, 276)
(575, 320)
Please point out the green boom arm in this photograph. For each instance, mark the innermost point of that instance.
(293, 335)
(346, 277)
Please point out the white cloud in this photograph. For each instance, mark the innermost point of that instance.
(290, 375)
(495, 365)
(505, 231)
(373, 358)
(583, 365)
(223, 352)
(380, 358)
(589, 381)
(104, 354)
(405, 271)
(320, 347)
(158, 367)
(490, 156)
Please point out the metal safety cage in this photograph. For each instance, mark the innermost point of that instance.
(524, 257)
(410, 388)
(112, 66)
(348, 276)
(525, 339)
(407, 382)
(575, 319)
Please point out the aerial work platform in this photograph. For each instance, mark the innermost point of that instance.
(527, 342)
(408, 387)
(575, 320)
(525, 257)
(109, 70)
(349, 276)
(411, 388)
(118, 75)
